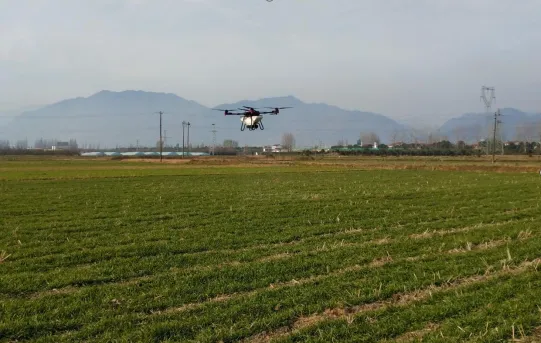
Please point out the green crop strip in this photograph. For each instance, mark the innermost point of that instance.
(143, 252)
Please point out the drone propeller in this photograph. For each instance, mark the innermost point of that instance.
(276, 110)
(227, 112)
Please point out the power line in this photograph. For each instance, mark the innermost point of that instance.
(77, 116)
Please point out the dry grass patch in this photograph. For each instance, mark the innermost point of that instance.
(398, 299)
(378, 262)
(4, 256)
(481, 246)
(416, 335)
(276, 257)
(535, 337)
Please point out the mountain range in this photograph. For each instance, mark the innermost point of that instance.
(515, 125)
(130, 117)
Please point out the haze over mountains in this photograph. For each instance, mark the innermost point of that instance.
(127, 118)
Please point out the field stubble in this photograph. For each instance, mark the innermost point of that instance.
(315, 250)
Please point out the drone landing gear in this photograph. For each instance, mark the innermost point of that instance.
(252, 127)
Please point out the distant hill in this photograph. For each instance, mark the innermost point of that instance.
(128, 117)
(106, 118)
(476, 126)
(6, 116)
(312, 123)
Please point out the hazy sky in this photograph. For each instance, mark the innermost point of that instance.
(402, 58)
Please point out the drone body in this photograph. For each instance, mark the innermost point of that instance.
(251, 118)
(251, 122)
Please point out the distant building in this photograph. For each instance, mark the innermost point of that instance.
(61, 146)
(396, 145)
(273, 148)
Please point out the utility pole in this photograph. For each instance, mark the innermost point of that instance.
(183, 126)
(213, 152)
(161, 142)
(496, 122)
(188, 139)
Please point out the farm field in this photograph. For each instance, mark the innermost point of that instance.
(321, 250)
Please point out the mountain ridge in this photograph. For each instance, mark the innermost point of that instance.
(125, 117)
(515, 125)
(129, 116)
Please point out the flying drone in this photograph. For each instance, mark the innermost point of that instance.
(251, 117)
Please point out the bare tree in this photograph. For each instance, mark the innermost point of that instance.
(229, 143)
(525, 133)
(431, 138)
(394, 137)
(369, 138)
(39, 144)
(414, 135)
(21, 144)
(4, 144)
(399, 136)
(537, 126)
(476, 133)
(288, 141)
(73, 144)
(460, 133)
(440, 137)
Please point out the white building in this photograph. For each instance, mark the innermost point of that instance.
(273, 148)
(61, 146)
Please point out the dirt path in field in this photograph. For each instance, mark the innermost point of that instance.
(503, 164)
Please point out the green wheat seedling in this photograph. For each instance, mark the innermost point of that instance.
(326, 251)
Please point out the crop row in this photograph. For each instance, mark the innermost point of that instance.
(210, 257)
